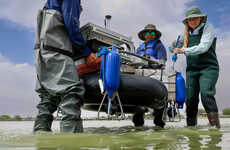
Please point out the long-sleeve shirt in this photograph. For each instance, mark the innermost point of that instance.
(161, 51)
(205, 42)
(71, 10)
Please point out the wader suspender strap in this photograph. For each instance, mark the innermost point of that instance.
(51, 48)
(54, 49)
(201, 31)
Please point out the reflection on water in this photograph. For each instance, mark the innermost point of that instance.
(200, 139)
(133, 138)
(124, 137)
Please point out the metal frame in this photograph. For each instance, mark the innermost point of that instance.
(172, 103)
(115, 94)
(92, 31)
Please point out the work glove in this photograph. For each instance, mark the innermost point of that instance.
(103, 51)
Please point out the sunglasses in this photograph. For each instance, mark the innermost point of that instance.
(150, 33)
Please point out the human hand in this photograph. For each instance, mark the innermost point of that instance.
(91, 60)
(178, 51)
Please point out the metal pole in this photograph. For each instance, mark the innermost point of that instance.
(107, 21)
(98, 112)
(122, 112)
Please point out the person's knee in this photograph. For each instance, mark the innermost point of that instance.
(43, 117)
(46, 108)
(161, 103)
(70, 108)
(207, 89)
(207, 92)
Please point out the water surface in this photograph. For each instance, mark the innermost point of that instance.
(116, 135)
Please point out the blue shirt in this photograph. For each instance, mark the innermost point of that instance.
(71, 10)
(205, 42)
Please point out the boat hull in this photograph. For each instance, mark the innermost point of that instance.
(135, 92)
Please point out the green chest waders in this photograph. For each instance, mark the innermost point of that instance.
(201, 76)
(58, 84)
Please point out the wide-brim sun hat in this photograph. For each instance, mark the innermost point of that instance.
(149, 27)
(194, 12)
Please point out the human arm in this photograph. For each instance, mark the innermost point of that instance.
(161, 53)
(71, 12)
(205, 42)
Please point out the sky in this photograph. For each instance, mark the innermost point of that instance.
(18, 25)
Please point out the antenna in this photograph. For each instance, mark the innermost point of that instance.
(107, 21)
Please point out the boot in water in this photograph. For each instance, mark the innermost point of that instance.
(213, 119)
(158, 118)
(191, 122)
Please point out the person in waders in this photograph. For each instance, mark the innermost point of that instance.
(198, 44)
(152, 47)
(58, 43)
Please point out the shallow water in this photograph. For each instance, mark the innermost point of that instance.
(115, 135)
